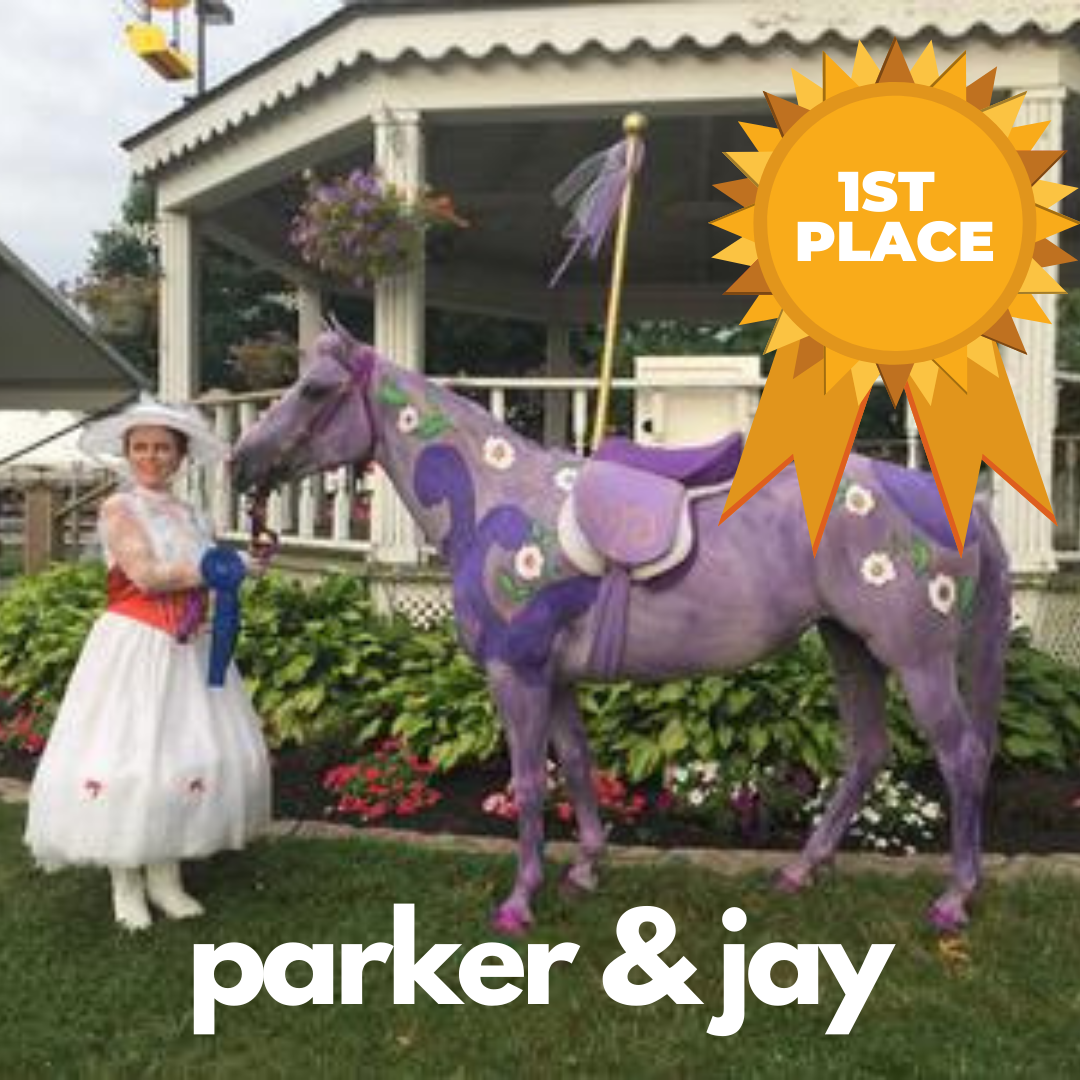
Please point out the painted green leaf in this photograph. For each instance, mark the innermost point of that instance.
(508, 585)
(390, 393)
(920, 555)
(433, 425)
(966, 595)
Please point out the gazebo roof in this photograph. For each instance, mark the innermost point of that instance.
(386, 32)
(50, 358)
(512, 95)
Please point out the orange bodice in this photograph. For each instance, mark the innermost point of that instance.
(177, 613)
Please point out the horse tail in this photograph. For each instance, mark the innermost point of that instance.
(988, 639)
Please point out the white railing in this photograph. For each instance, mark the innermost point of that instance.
(334, 511)
(325, 511)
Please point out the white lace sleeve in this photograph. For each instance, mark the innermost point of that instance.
(130, 547)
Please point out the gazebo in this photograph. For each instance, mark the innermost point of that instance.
(495, 101)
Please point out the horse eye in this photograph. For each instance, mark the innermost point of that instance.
(314, 392)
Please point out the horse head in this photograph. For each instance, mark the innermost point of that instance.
(323, 421)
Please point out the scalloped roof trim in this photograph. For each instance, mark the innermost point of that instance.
(352, 37)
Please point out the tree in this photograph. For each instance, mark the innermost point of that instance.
(239, 304)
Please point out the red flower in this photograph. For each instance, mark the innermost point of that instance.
(380, 782)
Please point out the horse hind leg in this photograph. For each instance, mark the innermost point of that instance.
(964, 753)
(572, 749)
(987, 643)
(860, 690)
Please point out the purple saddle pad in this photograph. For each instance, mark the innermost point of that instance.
(631, 517)
(694, 466)
(915, 493)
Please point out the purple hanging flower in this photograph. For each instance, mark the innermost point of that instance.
(361, 228)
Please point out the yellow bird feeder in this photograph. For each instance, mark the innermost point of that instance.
(148, 43)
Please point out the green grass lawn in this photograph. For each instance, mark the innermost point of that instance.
(79, 998)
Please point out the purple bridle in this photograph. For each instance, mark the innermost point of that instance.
(358, 366)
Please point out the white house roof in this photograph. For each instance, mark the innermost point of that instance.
(50, 358)
(21, 429)
(370, 32)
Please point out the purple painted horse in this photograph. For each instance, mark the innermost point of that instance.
(616, 567)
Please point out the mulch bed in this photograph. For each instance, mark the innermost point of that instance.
(1028, 812)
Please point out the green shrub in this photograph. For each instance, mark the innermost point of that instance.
(323, 667)
(44, 619)
(1040, 715)
(316, 657)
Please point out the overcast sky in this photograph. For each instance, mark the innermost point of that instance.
(70, 91)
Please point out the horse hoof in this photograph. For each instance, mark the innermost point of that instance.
(572, 889)
(790, 881)
(947, 916)
(510, 923)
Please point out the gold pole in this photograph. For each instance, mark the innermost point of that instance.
(634, 125)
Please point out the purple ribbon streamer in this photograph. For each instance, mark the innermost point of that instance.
(593, 191)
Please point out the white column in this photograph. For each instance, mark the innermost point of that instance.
(1028, 534)
(557, 402)
(399, 323)
(309, 317)
(178, 336)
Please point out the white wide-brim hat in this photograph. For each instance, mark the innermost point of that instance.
(105, 438)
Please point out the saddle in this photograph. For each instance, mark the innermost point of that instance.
(631, 505)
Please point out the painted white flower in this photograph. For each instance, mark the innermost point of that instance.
(529, 562)
(408, 420)
(566, 477)
(858, 500)
(696, 797)
(942, 590)
(499, 453)
(878, 569)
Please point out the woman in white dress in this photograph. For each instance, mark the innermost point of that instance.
(147, 764)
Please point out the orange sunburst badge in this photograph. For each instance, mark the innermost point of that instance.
(894, 222)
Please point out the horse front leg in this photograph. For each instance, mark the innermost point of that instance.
(860, 691)
(572, 748)
(525, 710)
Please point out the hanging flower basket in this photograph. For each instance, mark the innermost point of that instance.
(362, 228)
(123, 307)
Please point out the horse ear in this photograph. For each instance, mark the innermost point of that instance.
(337, 327)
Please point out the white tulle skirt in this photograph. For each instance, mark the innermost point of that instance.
(147, 763)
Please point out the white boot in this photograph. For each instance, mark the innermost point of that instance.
(129, 899)
(166, 891)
